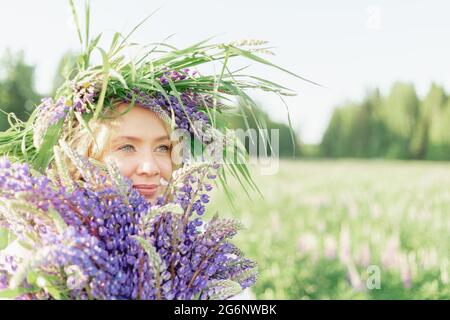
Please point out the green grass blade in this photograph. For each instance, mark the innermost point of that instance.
(77, 22)
(101, 99)
(251, 56)
(88, 15)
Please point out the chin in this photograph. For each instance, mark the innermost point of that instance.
(151, 199)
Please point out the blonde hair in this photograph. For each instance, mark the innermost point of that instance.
(90, 143)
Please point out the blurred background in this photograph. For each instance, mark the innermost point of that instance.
(359, 207)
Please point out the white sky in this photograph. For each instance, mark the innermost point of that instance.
(348, 46)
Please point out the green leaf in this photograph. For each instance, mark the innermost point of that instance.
(50, 284)
(93, 44)
(178, 53)
(253, 57)
(228, 192)
(291, 130)
(114, 42)
(45, 151)
(4, 238)
(106, 74)
(51, 289)
(28, 128)
(114, 74)
(270, 83)
(32, 277)
(13, 293)
(132, 70)
(77, 22)
(137, 26)
(87, 21)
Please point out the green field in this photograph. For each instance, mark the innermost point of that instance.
(347, 229)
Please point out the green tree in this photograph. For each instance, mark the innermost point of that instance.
(339, 138)
(436, 116)
(376, 127)
(17, 87)
(400, 113)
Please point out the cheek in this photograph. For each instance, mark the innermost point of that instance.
(165, 167)
(126, 166)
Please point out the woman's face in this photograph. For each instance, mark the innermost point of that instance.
(141, 147)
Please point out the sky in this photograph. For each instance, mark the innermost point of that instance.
(347, 46)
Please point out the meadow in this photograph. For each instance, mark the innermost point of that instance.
(347, 229)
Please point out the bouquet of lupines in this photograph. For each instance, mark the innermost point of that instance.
(100, 239)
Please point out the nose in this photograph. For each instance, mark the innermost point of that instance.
(148, 167)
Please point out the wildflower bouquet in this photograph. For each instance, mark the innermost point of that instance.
(100, 239)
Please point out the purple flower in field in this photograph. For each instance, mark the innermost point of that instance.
(330, 247)
(307, 244)
(405, 271)
(364, 256)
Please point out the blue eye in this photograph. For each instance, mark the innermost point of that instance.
(163, 148)
(126, 147)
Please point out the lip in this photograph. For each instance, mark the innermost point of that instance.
(146, 189)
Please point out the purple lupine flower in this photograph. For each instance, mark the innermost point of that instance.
(83, 96)
(176, 75)
(116, 247)
(186, 110)
(48, 113)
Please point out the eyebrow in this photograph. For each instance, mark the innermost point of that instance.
(137, 139)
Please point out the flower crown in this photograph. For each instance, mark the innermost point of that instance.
(163, 79)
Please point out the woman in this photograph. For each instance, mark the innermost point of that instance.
(126, 110)
(138, 141)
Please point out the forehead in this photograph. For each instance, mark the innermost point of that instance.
(139, 122)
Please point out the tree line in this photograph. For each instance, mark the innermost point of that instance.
(17, 87)
(399, 125)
